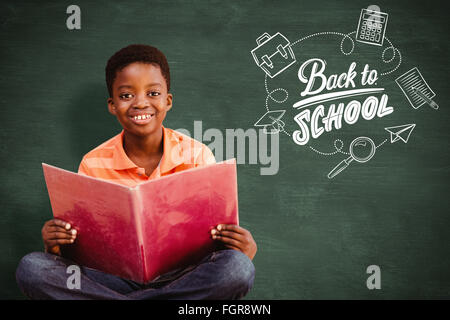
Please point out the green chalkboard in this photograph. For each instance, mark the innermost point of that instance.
(316, 236)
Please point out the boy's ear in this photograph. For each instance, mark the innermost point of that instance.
(169, 101)
(111, 107)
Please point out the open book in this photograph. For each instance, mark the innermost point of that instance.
(141, 232)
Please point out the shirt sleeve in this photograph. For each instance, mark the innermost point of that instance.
(83, 168)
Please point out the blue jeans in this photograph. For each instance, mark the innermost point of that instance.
(224, 274)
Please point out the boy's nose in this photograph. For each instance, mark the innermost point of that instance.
(140, 102)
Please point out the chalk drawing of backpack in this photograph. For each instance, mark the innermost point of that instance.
(273, 54)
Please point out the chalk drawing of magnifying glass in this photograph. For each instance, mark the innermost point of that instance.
(361, 143)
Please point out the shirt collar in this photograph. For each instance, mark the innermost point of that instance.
(120, 158)
(172, 153)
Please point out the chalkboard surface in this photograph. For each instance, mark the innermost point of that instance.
(316, 235)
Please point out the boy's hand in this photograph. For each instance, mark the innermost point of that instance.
(56, 232)
(235, 237)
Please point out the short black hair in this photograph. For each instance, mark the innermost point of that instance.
(135, 53)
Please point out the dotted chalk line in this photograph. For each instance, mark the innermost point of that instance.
(384, 141)
(394, 50)
(269, 94)
(338, 148)
(343, 35)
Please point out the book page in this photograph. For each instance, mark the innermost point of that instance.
(101, 212)
(179, 212)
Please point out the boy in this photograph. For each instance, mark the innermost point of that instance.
(138, 81)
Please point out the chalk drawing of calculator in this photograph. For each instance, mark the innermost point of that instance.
(371, 27)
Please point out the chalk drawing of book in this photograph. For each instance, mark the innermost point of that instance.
(273, 54)
(411, 82)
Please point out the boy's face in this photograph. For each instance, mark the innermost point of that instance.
(140, 99)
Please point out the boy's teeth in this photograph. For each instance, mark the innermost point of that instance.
(147, 116)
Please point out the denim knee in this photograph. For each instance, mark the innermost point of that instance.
(30, 270)
(237, 272)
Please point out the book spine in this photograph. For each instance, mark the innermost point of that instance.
(136, 201)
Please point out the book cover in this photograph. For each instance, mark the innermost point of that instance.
(141, 232)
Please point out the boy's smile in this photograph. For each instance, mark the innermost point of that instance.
(140, 99)
(142, 119)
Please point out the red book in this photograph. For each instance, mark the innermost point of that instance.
(141, 232)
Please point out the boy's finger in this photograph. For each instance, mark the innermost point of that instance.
(55, 229)
(230, 227)
(232, 247)
(58, 229)
(53, 243)
(227, 240)
(60, 235)
(61, 223)
(230, 234)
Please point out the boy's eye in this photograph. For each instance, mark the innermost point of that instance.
(154, 93)
(125, 96)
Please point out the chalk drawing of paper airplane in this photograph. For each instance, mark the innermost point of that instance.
(271, 122)
(273, 54)
(400, 132)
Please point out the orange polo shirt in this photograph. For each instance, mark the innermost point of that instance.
(110, 162)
